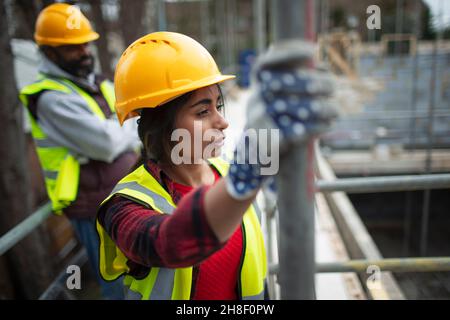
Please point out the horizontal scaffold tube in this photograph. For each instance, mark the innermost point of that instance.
(385, 184)
(349, 185)
(432, 264)
(24, 228)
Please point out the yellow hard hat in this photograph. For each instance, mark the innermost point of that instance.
(63, 24)
(158, 68)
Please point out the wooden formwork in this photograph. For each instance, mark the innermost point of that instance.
(342, 51)
(398, 37)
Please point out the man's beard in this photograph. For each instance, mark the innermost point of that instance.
(80, 68)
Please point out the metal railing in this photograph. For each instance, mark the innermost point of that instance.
(379, 184)
(433, 264)
(385, 184)
(57, 287)
(294, 20)
(20, 231)
(348, 185)
(24, 228)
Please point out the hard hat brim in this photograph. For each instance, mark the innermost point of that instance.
(55, 42)
(153, 101)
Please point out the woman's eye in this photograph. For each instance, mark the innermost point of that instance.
(203, 112)
(206, 111)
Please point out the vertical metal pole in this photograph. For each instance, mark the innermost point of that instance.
(270, 210)
(398, 24)
(259, 16)
(205, 23)
(232, 20)
(228, 22)
(324, 16)
(371, 35)
(427, 195)
(162, 18)
(412, 128)
(289, 19)
(293, 19)
(221, 31)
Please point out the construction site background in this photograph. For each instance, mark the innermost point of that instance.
(383, 79)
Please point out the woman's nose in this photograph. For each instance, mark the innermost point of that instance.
(222, 123)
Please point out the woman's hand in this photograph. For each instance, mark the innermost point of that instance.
(290, 98)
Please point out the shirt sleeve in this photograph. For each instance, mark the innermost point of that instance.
(67, 120)
(181, 239)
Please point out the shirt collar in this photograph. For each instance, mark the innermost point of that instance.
(163, 179)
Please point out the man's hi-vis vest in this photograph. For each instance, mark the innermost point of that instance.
(175, 284)
(61, 169)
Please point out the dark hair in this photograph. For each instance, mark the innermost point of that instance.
(155, 127)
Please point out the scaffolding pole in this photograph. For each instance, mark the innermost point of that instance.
(205, 24)
(399, 26)
(386, 184)
(349, 185)
(293, 19)
(59, 286)
(233, 41)
(220, 37)
(162, 17)
(431, 109)
(259, 16)
(407, 223)
(324, 14)
(24, 228)
(437, 264)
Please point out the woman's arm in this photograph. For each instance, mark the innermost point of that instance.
(149, 238)
(224, 213)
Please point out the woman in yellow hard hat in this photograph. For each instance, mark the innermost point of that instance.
(184, 225)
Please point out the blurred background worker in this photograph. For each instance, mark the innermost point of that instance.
(189, 229)
(81, 146)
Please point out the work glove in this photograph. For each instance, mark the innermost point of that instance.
(289, 98)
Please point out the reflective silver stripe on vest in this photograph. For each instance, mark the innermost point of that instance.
(132, 295)
(159, 201)
(163, 287)
(71, 87)
(258, 212)
(50, 174)
(46, 143)
(259, 296)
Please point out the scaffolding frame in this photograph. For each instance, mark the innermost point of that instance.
(350, 185)
(294, 19)
(373, 184)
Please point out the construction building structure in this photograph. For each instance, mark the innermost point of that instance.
(391, 140)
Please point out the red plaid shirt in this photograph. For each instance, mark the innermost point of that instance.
(181, 239)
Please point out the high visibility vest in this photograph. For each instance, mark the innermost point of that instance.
(175, 284)
(61, 168)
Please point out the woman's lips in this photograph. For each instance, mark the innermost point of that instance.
(219, 142)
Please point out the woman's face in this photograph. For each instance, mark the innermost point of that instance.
(203, 119)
